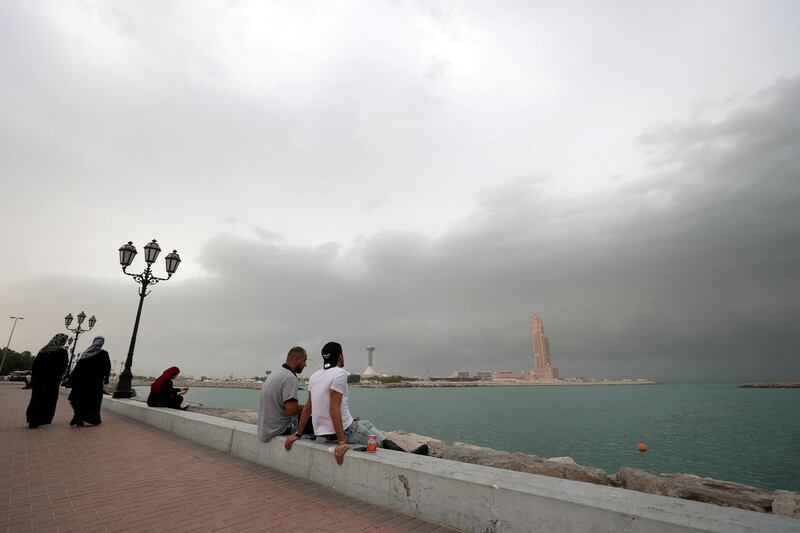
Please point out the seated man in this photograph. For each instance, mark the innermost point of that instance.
(328, 408)
(279, 408)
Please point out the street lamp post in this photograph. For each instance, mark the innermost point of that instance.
(5, 352)
(126, 254)
(77, 331)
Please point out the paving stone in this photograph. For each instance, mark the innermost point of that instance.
(125, 476)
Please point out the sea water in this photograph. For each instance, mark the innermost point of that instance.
(749, 436)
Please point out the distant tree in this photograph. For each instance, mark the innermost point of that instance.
(354, 378)
(391, 379)
(16, 361)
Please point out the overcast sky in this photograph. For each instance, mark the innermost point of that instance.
(420, 176)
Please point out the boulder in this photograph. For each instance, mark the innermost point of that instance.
(520, 462)
(410, 441)
(786, 503)
(566, 460)
(701, 489)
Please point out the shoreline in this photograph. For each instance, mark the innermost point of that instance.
(422, 384)
(435, 384)
(679, 485)
(772, 385)
(676, 485)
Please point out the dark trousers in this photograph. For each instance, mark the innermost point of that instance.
(308, 430)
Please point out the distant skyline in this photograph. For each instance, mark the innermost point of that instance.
(416, 176)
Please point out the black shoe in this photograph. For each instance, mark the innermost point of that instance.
(79, 423)
(392, 445)
(73, 421)
(422, 450)
(33, 426)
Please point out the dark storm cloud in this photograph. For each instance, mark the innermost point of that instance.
(688, 273)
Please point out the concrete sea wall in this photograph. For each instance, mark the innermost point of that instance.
(473, 498)
(675, 485)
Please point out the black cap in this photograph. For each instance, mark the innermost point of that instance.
(330, 354)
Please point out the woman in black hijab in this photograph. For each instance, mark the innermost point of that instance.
(46, 373)
(90, 373)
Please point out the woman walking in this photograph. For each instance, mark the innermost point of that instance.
(163, 393)
(46, 373)
(90, 373)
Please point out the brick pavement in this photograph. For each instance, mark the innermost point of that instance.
(125, 476)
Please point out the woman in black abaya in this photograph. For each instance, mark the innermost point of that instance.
(163, 393)
(90, 373)
(46, 373)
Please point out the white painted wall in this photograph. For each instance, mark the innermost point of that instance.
(473, 498)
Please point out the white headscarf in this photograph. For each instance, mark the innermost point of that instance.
(95, 348)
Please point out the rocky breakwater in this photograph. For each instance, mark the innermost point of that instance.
(685, 486)
(708, 490)
(772, 385)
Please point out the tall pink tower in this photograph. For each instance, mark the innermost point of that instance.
(542, 367)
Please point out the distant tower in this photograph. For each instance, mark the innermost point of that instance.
(542, 367)
(369, 371)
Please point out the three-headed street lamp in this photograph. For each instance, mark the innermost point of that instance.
(126, 254)
(77, 331)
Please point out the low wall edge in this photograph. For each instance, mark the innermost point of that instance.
(470, 497)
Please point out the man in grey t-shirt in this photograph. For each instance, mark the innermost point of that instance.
(279, 405)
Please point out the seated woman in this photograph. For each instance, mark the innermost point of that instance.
(163, 394)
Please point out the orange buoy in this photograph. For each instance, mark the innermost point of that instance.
(642, 447)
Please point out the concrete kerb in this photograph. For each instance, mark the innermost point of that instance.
(470, 497)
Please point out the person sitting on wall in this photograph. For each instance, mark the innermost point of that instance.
(328, 408)
(279, 407)
(163, 393)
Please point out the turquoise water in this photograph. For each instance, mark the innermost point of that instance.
(748, 436)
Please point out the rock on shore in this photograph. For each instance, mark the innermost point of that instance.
(701, 489)
(786, 503)
(685, 486)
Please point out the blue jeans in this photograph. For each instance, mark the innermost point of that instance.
(359, 430)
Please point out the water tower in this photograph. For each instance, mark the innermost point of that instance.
(369, 371)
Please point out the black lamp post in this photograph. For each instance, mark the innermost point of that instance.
(77, 331)
(126, 254)
(5, 352)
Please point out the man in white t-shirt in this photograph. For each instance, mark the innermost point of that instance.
(330, 412)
